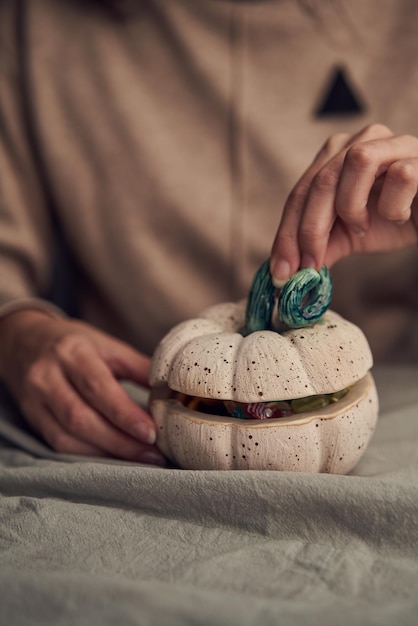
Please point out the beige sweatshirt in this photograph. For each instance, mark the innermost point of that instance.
(164, 143)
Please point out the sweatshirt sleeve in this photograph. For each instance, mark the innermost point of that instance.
(26, 228)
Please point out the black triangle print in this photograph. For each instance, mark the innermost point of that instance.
(340, 97)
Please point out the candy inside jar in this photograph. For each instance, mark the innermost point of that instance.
(258, 410)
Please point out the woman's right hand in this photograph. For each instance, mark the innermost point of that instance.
(359, 195)
(64, 375)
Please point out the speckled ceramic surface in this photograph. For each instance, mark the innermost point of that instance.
(208, 357)
(330, 440)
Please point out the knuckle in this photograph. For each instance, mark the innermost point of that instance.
(297, 196)
(67, 344)
(360, 156)
(75, 418)
(402, 173)
(36, 378)
(407, 138)
(325, 180)
(310, 233)
(397, 214)
(353, 216)
(90, 387)
(285, 241)
(376, 130)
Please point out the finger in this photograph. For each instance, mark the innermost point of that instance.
(125, 362)
(41, 419)
(319, 215)
(363, 164)
(285, 256)
(383, 235)
(81, 421)
(339, 244)
(320, 209)
(96, 384)
(399, 190)
(50, 389)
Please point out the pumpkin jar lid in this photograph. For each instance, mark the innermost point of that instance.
(233, 351)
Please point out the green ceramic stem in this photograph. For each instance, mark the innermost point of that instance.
(303, 299)
(260, 302)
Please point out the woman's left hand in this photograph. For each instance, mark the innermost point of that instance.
(358, 195)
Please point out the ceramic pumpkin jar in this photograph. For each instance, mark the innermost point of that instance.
(236, 389)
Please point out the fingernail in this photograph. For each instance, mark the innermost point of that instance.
(307, 261)
(151, 457)
(144, 433)
(280, 273)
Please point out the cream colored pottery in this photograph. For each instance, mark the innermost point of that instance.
(330, 440)
(208, 357)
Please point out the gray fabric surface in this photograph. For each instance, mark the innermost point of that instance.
(87, 542)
